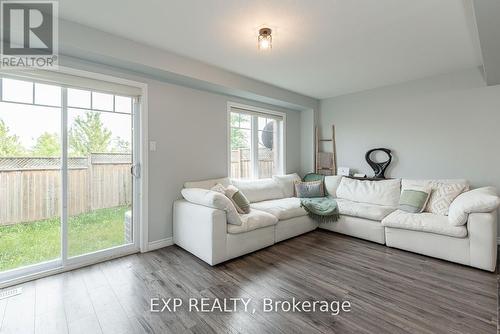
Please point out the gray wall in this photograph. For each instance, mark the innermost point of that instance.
(190, 128)
(441, 127)
(307, 141)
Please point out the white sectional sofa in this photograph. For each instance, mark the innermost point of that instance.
(368, 210)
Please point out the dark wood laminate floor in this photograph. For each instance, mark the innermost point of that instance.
(391, 291)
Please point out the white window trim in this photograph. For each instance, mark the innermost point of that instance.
(141, 224)
(282, 129)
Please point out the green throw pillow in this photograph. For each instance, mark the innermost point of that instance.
(414, 199)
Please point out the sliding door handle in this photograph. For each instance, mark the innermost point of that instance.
(135, 170)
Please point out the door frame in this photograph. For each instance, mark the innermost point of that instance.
(140, 194)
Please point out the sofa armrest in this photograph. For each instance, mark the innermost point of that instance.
(482, 229)
(200, 230)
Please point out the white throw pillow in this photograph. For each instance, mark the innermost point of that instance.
(287, 182)
(477, 200)
(213, 199)
(442, 195)
(385, 192)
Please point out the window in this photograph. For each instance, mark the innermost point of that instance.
(256, 140)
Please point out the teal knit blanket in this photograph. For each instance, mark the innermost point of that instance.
(321, 209)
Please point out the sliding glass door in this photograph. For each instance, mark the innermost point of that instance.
(68, 174)
(30, 174)
(100, 182)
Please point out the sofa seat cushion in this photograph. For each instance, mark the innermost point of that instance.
(424, 222)
(251, 221)
(282, 209)
(363, 210)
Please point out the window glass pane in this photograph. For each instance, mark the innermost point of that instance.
(123, 104)
(17, 90)
(47, 95)
(235, 119)
(262, 123)
(102, 101)
(241, 158)
(245, 121)
(78, 98)
(266, 131)
(240, 138)
(30, 197)
(99, 181)
(268, 148)
(261, 161)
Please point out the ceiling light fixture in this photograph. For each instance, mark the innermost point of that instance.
(265, 39)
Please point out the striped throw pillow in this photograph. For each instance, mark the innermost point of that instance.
(240, 201)
(309, 189)
(238, 198)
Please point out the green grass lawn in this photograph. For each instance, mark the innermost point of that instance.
(30, 243)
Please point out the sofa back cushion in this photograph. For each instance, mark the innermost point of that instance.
(259, 190)
(426, 182)
(332, 182)
(385, 192)
(287, 183)
(207, 184)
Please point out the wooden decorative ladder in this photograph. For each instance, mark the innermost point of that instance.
(326, 162)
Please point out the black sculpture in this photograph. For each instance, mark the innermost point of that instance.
(379, 167)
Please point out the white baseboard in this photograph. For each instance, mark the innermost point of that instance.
(157, 244)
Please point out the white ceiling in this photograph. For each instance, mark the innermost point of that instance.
(321, 48)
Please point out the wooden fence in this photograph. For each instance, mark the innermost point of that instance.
(30, 188)
(241, 164)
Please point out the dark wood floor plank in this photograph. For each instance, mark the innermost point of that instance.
(51, 322)
(85, 325)
(391, 291)
(50, 313)
(80, 314)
